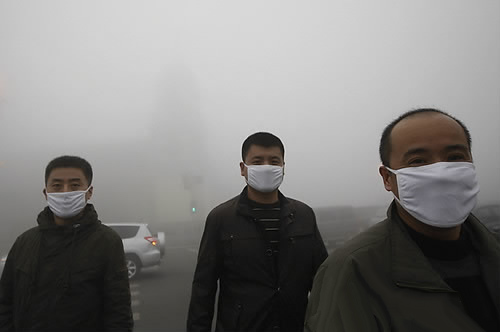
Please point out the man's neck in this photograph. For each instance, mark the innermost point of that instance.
(263, 198)
(60, 221)
(437, 233)
(67, 221)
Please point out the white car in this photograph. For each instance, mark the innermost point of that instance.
(142, 249)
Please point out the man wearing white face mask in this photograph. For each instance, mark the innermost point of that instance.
(260, 248)
(431, 265)
(69, 272)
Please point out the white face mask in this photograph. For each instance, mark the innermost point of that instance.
(441, 194)
(67, 204)
(264, 178)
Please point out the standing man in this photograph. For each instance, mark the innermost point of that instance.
(431, 265)
(261, 248)
(68, 273)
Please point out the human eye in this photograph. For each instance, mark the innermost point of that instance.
(417, 161)
(56, 186)
(76, 185)
(456, 157)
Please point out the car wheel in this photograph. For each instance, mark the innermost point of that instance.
(133, 267)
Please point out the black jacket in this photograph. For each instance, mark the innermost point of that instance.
(234, 253)
(66, 278)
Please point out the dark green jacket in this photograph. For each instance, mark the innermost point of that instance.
(381, 281)
(86, 278)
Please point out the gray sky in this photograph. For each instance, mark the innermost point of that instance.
(152, 92)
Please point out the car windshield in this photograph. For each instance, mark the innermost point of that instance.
(126, 232)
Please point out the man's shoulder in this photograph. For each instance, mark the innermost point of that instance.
(482, 236)
(29, 234)
(298, 204)
(228, 206)
(26, 242)
(366, 256)
(107, 232)
(101, 239)
(300, 208)
(368, 245)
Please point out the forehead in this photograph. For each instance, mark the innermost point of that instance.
(66, 173)
(261, 151)
(426, 130)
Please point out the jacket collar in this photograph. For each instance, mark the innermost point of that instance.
(243, 207)
(89, 216)
(417, 272)
(488, 245)
(410, 268)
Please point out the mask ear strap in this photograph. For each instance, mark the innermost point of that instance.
(395, 173)
(391, 170)
(85, 195)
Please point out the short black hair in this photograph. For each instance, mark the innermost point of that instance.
(264, 139)
(70, 162)
(385, 140)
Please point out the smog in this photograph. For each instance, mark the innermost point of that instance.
(159, 96)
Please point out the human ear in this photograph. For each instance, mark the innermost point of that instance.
(243, 169)
(386, 178)
(89, 193)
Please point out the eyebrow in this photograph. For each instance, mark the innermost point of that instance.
(70, 180)
(447, 148)
(414, 151)
(457, 147)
